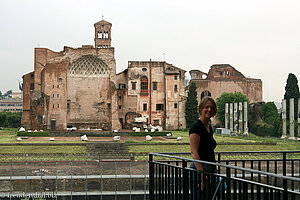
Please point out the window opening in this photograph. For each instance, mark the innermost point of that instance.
(144, 107)
(160, 107)
(175, 88)
(154, 85)
(133, 85)
(144, 85)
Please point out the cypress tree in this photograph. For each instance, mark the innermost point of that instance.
(191, 106)
(291, 91)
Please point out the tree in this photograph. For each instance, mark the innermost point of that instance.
(8, 94)
(228, 98)
(191, 105)
(270, 116)
(291, 91)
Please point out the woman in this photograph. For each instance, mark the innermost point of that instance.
(202, 142)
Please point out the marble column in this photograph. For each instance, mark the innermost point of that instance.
(231, 117)
(245, 118)
(226, 115)
(235, 115)
(240, 117)
(292, 122)
(283, 118)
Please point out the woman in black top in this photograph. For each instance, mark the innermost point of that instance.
(202, 142)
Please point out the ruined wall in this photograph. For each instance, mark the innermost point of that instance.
(160, 97)
(54, 86)
(27, 80)
(225, 78)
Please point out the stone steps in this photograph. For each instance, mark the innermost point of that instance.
(109, 150)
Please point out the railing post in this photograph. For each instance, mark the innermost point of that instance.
(219, 161)
(285, 194)
(185, 180)
(151, 177)
(284, 163)
(228, 177)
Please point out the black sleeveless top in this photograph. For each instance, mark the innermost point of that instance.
(207, 142)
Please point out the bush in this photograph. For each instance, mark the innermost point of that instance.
(10, 119)
(263, 129)
(33, 134)
(143, 134)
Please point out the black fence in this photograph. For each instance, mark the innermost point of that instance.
(172, 178)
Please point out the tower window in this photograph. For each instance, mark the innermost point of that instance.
(175, 77)
(175, 88)
(175, 105)
(31, 86)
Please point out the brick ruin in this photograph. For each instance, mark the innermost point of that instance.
(79, 87)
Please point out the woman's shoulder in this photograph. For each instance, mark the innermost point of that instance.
(196, 127)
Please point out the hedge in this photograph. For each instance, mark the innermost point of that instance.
(142, 134)
(33, 134)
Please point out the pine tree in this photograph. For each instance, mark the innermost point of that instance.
(292, 91)
(191, 106)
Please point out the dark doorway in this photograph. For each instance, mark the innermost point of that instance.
(53, 124)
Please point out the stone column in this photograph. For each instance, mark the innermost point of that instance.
(235, 115)
(292, 130)
(240, 117)
(245, 118)
(283, 118)
(231, 117)
(298, 119)
(226, 115)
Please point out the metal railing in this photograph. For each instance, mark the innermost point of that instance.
(171, 178)
(111, 179)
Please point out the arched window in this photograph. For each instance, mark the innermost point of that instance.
(205, 93)
(144, 85)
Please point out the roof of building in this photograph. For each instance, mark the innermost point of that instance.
(103, 22)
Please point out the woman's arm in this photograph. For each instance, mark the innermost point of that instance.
(194, 143)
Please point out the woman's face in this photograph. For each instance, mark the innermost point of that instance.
(208, 110)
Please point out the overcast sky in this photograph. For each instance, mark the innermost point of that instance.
(260, 38)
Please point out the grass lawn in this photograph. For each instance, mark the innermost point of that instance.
(281, 144)
(9, 136)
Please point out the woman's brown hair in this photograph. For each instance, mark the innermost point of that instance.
(203, 103)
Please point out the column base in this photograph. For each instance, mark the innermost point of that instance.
(284, 136)
(292, 138)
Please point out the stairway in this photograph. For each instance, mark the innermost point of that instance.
(108, 150)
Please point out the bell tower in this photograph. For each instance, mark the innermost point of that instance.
(102, 34)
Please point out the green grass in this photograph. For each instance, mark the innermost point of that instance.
(9, 136)
(43, 149)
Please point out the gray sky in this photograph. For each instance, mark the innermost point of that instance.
(260, 38)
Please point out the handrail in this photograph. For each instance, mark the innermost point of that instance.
(227, 166)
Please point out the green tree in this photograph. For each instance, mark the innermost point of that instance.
(8, 94)
(291, 91)
(1, 96)
(270, 116)
(228, 98)
(191, 105)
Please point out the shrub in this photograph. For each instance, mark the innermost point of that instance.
(263, 129)
(33, 134)
(143, 134)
